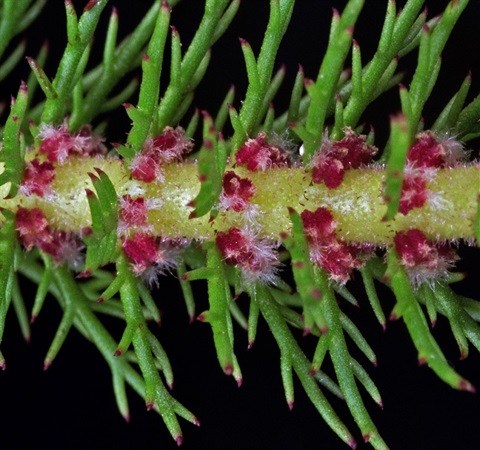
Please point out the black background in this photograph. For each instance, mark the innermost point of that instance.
(71, 406)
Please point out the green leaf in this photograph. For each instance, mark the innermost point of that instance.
(342, 363)
(102, 243)
(304, 277)
(400, 143)
(428, 350)
(218, 314)
(211, 166)
(12, 151)
(448, 118)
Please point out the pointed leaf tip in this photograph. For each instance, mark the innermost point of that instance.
(90, 5)
(239, 381)
(228, 369)
(465, 385)
(149, 405)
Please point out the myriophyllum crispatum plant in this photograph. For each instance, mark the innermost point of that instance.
(274, 210)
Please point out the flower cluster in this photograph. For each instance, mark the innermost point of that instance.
(423, 259)
(424, 158)
(170, 146)
(335, 157)
(149, 256)
(133, 214)
(258, 155)
(336, 257)
(257, 258)
(35, 231)
(37, 178)
(57, 143)
(237, 192)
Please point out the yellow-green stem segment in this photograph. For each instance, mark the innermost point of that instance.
(357, 205)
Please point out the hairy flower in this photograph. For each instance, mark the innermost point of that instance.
(34, 230)
(424, 260)
(237, 192)
(133, 214)
(258, 155)
(151, 256)
(170, 146)
(37, 178)
(435, 152)
(256, 258)
(428, 154)
(57, 143)
(414, 192)
(334, 256)
(334, 157)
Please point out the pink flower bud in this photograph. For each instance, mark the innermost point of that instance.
(256, 258)
(423, 259)
(257, 155)
(332, 255)
(334, 157)
(237, 192)
(170, 146)
(37, 178)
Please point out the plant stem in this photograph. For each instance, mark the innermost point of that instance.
(357, 204)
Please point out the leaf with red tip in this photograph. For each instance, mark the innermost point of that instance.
(400, 143)
(342, 362)
(42, 79)
(186, 290)
(364, 378)
(211, 165)
(13, 147)
(286, 371)
(218, 314)
(415, 321)
(303, 274)
(90, 5)
(8, 249)
(372, 295)
(102, 243)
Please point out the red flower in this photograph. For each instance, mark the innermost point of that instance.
(237, 192)
(170, 146)
(257, 258)
(57, 143)
(142, 250)
(332, 255)
(33, 229)
(414, 191)
(37, 178)
(333, 158)
(423, 259)
(434, 152)
(257, 155)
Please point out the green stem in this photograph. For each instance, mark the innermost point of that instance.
(357, 205)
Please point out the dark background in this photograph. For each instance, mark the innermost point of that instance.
(71, 406)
